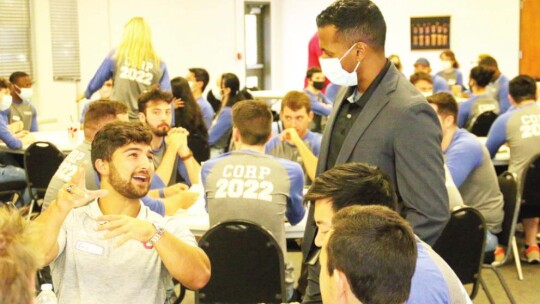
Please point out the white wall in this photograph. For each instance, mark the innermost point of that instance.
(479, 26)
(209, 33)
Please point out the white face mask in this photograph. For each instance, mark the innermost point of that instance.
(446, 65)
(191, 85)
(217, 93)
(333, 70)
(26, 94)
(6, 102)
(427, 94)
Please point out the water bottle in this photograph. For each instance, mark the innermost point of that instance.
(46, 296)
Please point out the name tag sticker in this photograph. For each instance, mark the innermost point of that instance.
(27, 112)
(15, 118)
(89, 247)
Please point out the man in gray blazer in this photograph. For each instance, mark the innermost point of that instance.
(380, 119)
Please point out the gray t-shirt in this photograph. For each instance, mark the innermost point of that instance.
(523, 133)
(68, 168)
(24, 112)
(89, 269)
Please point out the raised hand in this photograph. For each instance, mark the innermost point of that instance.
(74, 193)
(178, 103)
(290, 135)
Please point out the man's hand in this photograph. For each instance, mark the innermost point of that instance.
(21, 134)
(15, 127)
(182, 148)
(126, 228)
(175, 189)
(178, 103)
(28, 138)
(74, 193)
(175, 137)
(291, 136)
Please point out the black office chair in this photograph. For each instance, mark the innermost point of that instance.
(480, 124)
(41, 160)
(247, 265)
(508, 186)
(530, 196)
(10, 192)
(461, 245)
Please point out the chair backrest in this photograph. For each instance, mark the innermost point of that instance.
(461, 245)
(530, 182)
(247, 265)
(480, 124)
(509, 190)
(41, 160)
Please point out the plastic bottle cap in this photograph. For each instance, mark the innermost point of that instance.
(46, 287)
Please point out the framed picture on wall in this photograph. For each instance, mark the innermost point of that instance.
(430, 33)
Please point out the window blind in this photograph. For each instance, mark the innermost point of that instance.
(65, 40)
(15, 37)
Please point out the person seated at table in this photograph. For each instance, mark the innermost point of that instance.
(320, 105)
(219, 134)
(14, 138)
(498, 88)
(471, 168)
(439, 84)
(353, 271)
(19, 258)
(450, 69)
(198, 80)
(296, 142)
(170, 145)
(480, 101)
(423, 82)
(21, 108)
(98, 115)
(247, 184)
(105, 246)
(188, 115)
(356, 184)
(519, 127)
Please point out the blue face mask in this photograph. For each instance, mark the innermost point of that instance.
(333, 70)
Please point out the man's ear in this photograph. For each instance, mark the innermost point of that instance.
(310, 116)
(102, 167)
(142, 117)
(342, 284)
(360, 51)
(235, 135)
(513, 102)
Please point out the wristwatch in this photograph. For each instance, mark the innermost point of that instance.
(159, 232)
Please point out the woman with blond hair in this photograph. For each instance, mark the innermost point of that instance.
(19, 259)
(134, 66)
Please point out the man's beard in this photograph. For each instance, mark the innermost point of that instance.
(126, 187)
(161, 130)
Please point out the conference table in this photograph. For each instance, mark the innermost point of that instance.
(196, 218)
(61, 139)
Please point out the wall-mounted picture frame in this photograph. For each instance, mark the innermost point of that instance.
(430, 33)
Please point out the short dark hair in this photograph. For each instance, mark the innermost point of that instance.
(446, 104)
(356, 20)
(100, 109)
(115, 135)
(360, 236)
(420, 76)
(522, 87)
(482, 75)
(353, 184)
(253, 118)
(4, 84)
(153, 94)
(313, 70)
(489, 62)
(16, 75)
(296, 100)
(201, 75)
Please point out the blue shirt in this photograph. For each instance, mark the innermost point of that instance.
(470, 109)
(207, 111)
(221, 127)
(463, 155)
(439, 84)
(5, 135)
(318, 102)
